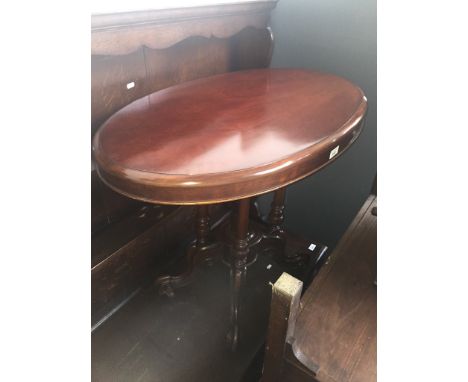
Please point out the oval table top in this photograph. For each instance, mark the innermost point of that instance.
(228, 136)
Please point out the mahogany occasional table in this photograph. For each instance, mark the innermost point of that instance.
(229, 137)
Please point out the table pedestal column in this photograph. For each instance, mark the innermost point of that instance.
(240, 250)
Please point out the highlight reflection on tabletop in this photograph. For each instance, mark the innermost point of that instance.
(229, 122)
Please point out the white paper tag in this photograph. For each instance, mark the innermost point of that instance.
(130, 85)
(312, 247)
(334, 152)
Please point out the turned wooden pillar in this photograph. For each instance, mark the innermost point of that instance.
(240, 251)
(205, 247)
(202, 226)
(275, 228)
(276, 215)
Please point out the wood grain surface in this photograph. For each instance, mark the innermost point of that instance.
(124, 32)
(337, 328)
(228, 136)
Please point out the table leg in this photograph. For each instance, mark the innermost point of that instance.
(199, 251)
(240, 251)
(276, 215)
(255, 209)
(254, 236)
(202, 225)
(276, 234)
(204, 243)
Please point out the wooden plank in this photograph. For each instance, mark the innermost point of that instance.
(285, 300)
(109, 240)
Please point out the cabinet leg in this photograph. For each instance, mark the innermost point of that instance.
(240, 251)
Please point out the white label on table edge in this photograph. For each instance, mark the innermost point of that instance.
(334, 152)
(312, 247)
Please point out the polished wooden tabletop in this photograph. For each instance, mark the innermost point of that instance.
(228, 136)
